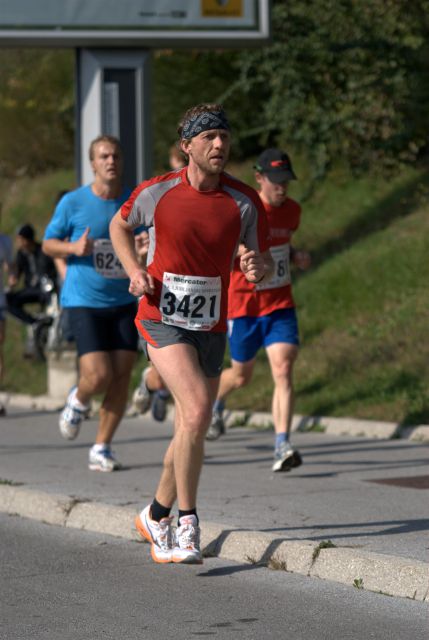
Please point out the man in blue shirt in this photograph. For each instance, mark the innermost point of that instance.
(95, 292)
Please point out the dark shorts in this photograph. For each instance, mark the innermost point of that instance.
(247, 334)
(105, 329)
(210, 346)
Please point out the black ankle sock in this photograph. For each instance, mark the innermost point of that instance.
(158, 511)
(188, 512)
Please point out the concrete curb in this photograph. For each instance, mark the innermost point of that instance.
(331, 426)
(390, 575)
(24, 401)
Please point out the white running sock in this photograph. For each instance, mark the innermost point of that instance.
(77, 404)
(97, 448)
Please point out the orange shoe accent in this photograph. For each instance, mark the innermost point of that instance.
(155, 559)
(144, 533)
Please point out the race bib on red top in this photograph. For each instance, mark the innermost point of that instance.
(281, 276)
(106, 262)
(190, 302)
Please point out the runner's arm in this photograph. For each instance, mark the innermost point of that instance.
(57, 248)
(122, 237)
(300, 258)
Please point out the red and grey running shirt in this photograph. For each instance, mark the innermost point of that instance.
(246, 299)
(194, 236)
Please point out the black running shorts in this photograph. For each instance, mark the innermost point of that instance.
(105, 329)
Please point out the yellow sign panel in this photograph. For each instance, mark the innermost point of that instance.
(222, 8)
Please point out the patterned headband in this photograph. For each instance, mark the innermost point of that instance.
(203, 122)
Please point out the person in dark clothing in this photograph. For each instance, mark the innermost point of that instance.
(32, 265)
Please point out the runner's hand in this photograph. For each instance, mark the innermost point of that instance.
(301, 259)
(252, 265)
(83, 246)
(141, 282)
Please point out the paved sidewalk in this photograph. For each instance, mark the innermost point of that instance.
(367, 497)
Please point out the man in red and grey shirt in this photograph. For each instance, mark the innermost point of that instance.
(197, 217)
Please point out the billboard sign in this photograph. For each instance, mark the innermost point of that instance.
(128, 23)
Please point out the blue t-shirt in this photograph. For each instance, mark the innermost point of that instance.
(97, 280)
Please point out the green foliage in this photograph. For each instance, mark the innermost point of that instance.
(36, 111)
(182, 79)
(363, 305)
(343, 80)
(26, 199)
(21, 375)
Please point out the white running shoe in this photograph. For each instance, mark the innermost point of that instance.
(216, 428)
(142, 397)
(187, 548)
(286, 458)
(159, 534)
(103, 460)
(71, 417)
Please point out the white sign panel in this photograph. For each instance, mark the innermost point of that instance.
(132, 22)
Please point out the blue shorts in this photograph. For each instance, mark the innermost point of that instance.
(247, 335)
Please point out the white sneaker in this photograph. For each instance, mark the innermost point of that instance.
(159, 534)
(284, 458)
(142, 397)
(103, 460)
(71, 417)
(216, 428)
(187, 548)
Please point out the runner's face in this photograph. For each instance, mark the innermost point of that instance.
(209, 150)
(273, 193)
(107, 163)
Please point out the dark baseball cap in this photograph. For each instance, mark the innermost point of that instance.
(276, 165)
(26, 231)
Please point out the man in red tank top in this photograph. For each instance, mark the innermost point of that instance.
(263, 315)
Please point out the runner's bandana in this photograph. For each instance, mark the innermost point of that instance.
(203, 122)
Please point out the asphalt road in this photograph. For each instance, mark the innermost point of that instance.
(356, 492)
(63, 583)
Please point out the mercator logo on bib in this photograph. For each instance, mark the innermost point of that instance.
(190, 302)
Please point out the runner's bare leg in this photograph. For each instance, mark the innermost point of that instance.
(108, 372)
(193, 394)
(116, 396)
(281, 357)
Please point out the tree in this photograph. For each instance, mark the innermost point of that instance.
(342, 79)
(36, 110)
